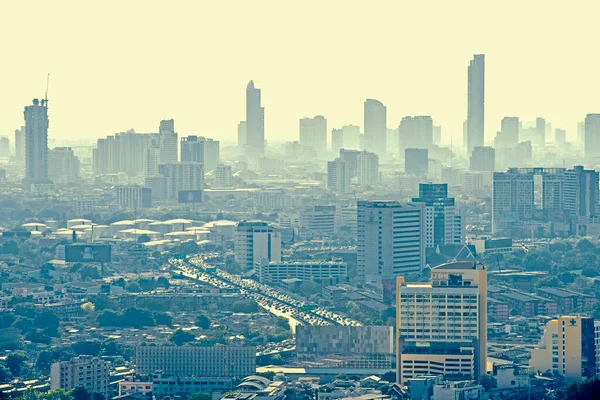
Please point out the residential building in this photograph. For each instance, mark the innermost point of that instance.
(367, 168)
(441, 324)
(313, 134)
(4, 147)
(443, 222)
(198, 149)
(36, 142)
(318, 220)
(167, 138)
(391, 239)
(255, 122)
(475, 103)
(415, 133)
(179, 177)
(560, 136)
(275, 272)
(133, 197)
(337, 140)
(63, 166)
(483, 159)
(338, 176)
(416, 161)
(241, 135)
(20, 143)
(88, 372)
(508, 137)
(375, 118)
(223, 176)
(217, 361)
(255, 241)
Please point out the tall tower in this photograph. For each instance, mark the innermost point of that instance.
(167, 141)
(255, 122)
(375, 127)
(36, 142)
(476, 103)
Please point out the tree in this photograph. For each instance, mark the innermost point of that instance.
(389, 376)
(203, 322)
(88, 307)
(103, 302)
(143, 238)
(80, 393)
(200, 396)
(45, 360)
(89, 272)
(164, 282)
(162, 319)
(5, 374)
(88, 347)
(46, 319)
(245, 306)
(133, 287)
(14, 362)
(108, 318)
(181, 337)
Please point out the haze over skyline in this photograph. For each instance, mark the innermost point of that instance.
(192, 62)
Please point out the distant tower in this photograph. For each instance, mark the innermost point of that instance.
(36, 142)
(375, 127)
(255, 122)
(476, 103)
(313, 134)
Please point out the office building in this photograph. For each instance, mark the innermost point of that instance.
(255, 122)
(337, 140)
(415, 133)
(4, 147)
(540, 131)
(441, 325)
(351, 137)
(88, 372)
(255, 241)
(36, 142)
(346, 346)
(20, 144)
(223, 176)
(167, 141)
(132, 197)
(476, 103)
(508, 137)
(567, 348)
(217, 361)
(483, 159)
(179, 177)
(241, 135)
(198, 149)
(318, 220)
(338, 176)
(560, 136)
(375, 118)
(416, 161)
(591, 142)
(367, 169)
(183, 386)
(443, 222)
(351, 157)
(581, 133)
(313, 134)
(63, 166)
(331, 272)
(437, 135)
(391, 239)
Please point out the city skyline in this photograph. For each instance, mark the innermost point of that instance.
(432, 81)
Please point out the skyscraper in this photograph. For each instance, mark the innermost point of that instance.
(313, 134)
(255, 241)
(36, 142)
(483, 159)
(416, 133)
(391, 239)
(540, 131)
(443, 223)
(476, 103)
(367, 169)
(241, 135)
(441, 325)
(63, 165)
(416, 161)
(198, 149)
(20, 144)
(181, 177)
(375, 119)
(255, 122)
(167, 141)
(591, 134)
(508, 137)
(337, 140)
(338, 176)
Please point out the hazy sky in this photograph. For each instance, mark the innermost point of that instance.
(127, 64)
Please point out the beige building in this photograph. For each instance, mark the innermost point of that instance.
(441, 324)
(568, 348)
(84, 371)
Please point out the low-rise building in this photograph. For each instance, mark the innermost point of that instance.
(323, 271)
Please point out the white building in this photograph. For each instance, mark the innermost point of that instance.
(223, 176)
(255, 241)
(313, 134)
(84, 371)
(132, 197)
(338, 176)
(181, 177)
(441, 325)
(275, 272)
(319, 220)
(391, 239)
(458, 390)
(367, 168)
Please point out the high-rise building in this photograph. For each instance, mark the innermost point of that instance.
(391, 239)
(416, 133)
(167, 139)
(198, 149)
(4, 147)
(367, 169)
(591, 142)
(443, 222)
(581, 133)
(36, 142)
(560, 136)
(351, 157)
(508, 137)
(437, 135)
(318, 220)
(351, 134)
(441, 325)
(337, 140)
(255, 122)
(88, 372)
(416, 161)
(476, 103)
(568, 348)
(181, 177)
(63, 165)
(375, 119)
(20, 143)
(483, 159)
(338, 176)
(223, 176)
(241, 135)
(540, 131)
(255, 241)
(313, 134)
(133, 196)
(125, 152)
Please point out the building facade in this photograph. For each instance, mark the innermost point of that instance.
(255, 241)
(323, 271)
(88, 372)
(36, 142)
(375, 120)
(475, 103)
(443, 222)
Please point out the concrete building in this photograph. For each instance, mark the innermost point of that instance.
(483, 159)
(591, 135)
(416, 161)
(443, 222)
(458, 390)
(337, 140)
(415, 133)
(367, 169)
(567, 348)
(223, 176)
(36, 143)
(20, 144)
(179, 177)
(318, 220)
(218, 361)
(241, 135)
(346, 346)
(322, 271)
(375, 118)
(475, 103)
(540, 131)
(338, 176)
(88, 372)
(124, 152)
(132, 197)
(255, 122)
(167, 141)
(441, 324)
(63, 166)
(4, 147)
(255, 241)
(184, 386)
(560, 136)
(391, 239)
(198, 149)
(313, 134)
(508, 137)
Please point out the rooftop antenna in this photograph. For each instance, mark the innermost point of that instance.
(47, 84)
